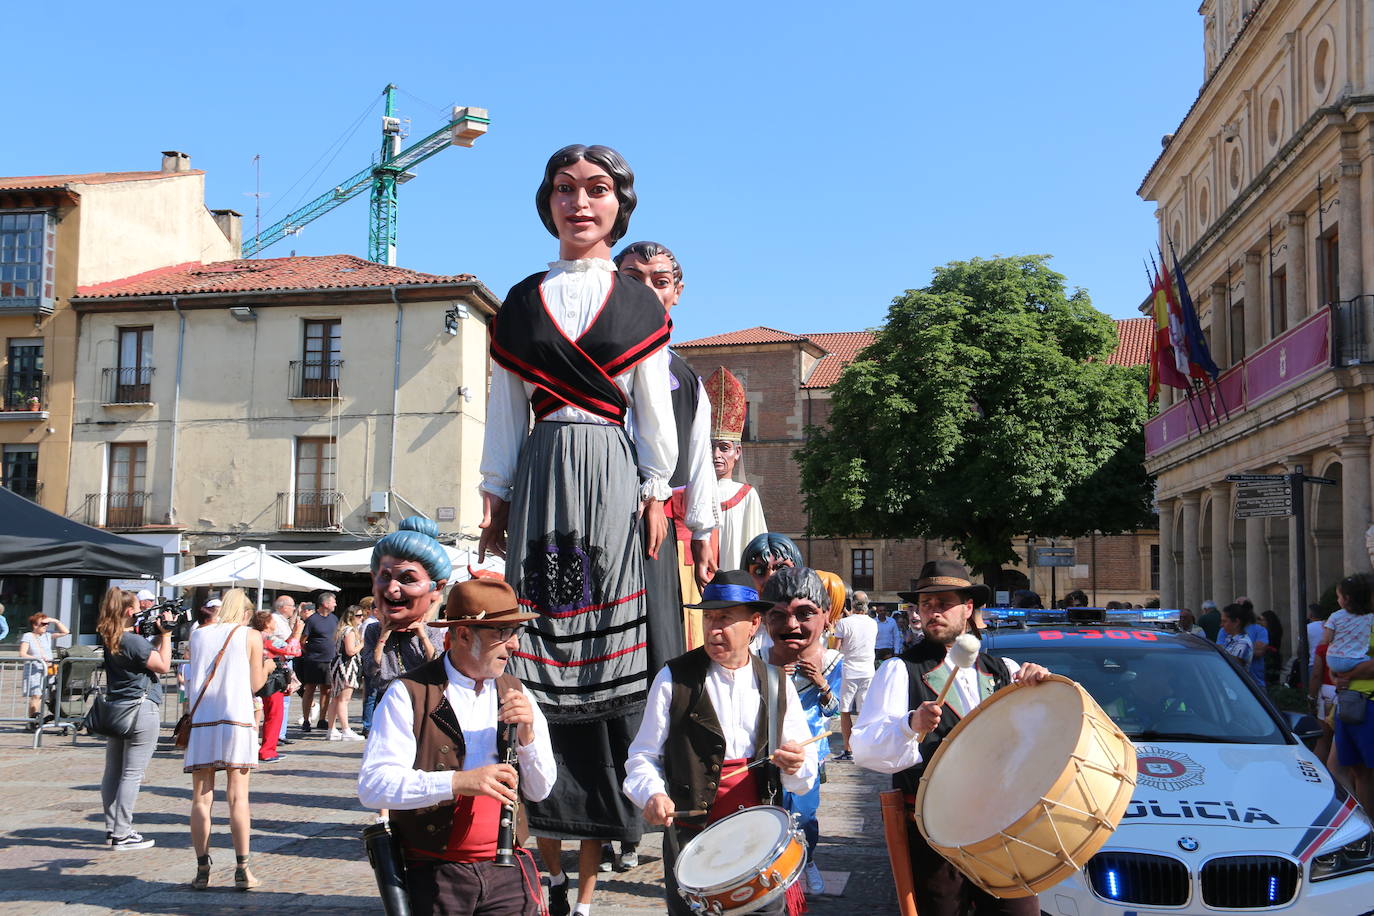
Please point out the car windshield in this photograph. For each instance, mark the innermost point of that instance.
(1155, 694)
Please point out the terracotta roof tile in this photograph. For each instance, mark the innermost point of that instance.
(43, 182)
(841, 349)
(756, 335)
(334, 271)
(1133, 342)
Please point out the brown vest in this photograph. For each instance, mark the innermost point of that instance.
(439, 746)
(695, 746)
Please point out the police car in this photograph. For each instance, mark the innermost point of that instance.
(1231, 811)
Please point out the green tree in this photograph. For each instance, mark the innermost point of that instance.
(984, 410)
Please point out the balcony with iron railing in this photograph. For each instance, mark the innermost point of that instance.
(118, 511)
(314, 379)
(1339, 335)
(309, 510)
(26, 487)
(25, 395)
(127, 385)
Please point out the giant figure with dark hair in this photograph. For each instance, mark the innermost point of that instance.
(584, 349)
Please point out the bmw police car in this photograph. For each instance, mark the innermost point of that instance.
(1231, 811)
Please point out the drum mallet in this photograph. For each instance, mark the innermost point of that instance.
(749, 766)
(963, 653)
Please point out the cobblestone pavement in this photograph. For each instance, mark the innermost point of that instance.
(306, 850)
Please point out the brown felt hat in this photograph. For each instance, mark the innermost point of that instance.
(946, 576)
(484, 602)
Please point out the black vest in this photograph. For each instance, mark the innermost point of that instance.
(920, 659)
(695, 746)
(686, 388)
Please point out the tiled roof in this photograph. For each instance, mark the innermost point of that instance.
(840, 350)
(1133, 344)
(334, 271)
(41, 182)
(843, 347)
(747, 336)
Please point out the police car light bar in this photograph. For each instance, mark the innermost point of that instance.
(1017, 617)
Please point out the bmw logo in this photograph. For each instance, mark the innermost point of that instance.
(1187, 844)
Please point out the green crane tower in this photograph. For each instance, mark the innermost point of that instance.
(383, 177)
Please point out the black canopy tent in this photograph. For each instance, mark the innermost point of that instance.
(36, 542)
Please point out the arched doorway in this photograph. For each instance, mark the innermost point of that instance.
(1326, 532)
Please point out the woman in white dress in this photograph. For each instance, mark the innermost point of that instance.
(224, 735)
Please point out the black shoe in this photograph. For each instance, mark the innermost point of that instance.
(847, 755)
(321, 725)
(558, 899)
(607, 858)
(285, 741)
(305, 727)
(270, 759)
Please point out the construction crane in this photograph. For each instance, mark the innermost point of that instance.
(384, 176)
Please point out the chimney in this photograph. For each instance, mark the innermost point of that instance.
(230, 222)
(173, 161)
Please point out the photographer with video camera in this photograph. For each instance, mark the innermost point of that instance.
(132, 666)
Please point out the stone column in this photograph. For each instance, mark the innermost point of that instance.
(1256, 301)
(1296, 240)
(1192, 556)
(1350, 242)
(1355, 508)
(1256, 563)
(1168, 595)
(1221, 544)
(1221, 326)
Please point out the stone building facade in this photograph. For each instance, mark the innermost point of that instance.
(787, 379)
(1263, 189)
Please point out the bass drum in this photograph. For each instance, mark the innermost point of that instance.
(741, 862)
(1027, 787)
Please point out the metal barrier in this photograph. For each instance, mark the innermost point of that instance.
(68, 695)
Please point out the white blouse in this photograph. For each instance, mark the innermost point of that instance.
(574, 292)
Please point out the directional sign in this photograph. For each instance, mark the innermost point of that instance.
(1256, 478)
(1248, 490)
(1324, 481)
(1054, 556)
(1056, 561)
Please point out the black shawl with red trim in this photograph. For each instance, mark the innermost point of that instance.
(526, 340)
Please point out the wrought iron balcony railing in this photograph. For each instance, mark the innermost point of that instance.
(24, 392)
(127, 385)
(308, 510)
(120, 510)
(314, 378)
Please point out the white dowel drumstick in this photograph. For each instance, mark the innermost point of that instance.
(738, 770)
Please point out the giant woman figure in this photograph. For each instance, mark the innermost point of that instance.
(585, 349)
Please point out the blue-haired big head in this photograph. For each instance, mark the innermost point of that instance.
(768, 547)
(415, 539)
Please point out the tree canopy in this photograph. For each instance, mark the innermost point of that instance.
(984, 410)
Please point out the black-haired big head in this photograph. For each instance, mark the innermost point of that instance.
(615, 167)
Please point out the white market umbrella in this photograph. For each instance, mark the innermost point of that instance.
(360, 561)
(249, 566)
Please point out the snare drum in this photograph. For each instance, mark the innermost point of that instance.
(741, 862)
(1027, 787)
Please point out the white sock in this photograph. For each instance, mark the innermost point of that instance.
(558, 879)
(582, 909)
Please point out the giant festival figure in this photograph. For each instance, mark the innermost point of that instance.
(585, 349)
(741, 512)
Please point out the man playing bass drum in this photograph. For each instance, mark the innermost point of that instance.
(434, 759)
(901, 704)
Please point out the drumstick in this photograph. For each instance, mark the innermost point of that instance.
(749, 766)
(963, 653)
(697, 812)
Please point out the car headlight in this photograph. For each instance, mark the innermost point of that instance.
(1345, 860)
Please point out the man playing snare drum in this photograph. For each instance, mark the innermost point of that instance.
(901, 704)
(706, 716)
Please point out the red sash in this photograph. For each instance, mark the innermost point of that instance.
(473, 835)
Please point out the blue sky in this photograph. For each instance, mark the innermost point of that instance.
(808, 162)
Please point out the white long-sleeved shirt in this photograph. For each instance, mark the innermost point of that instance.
(702, 515)
(882, 739)
(574, 293)
(734, 695)
(388, 778)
